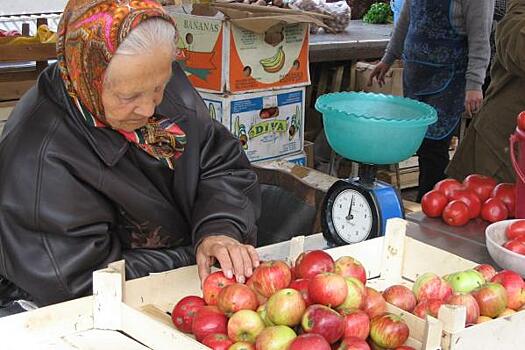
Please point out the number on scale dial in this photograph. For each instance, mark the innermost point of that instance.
(352, 216)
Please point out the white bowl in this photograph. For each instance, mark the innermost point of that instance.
(495, 237)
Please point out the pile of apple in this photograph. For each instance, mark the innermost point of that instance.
(318, 304)
(478, 196)
(515, 233)
(484, 293)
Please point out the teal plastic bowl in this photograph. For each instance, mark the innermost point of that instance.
(374, 128)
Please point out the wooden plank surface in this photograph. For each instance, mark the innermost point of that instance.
(28, 52)
(95, 339)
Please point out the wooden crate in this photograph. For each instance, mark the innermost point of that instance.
(139, 307)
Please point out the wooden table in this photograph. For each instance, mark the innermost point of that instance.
(360, 41)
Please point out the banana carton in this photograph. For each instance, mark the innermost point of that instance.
(269, 124)
(235, 52)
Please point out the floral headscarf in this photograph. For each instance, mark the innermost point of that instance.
(90, 32)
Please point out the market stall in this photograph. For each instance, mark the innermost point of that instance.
(358, 265)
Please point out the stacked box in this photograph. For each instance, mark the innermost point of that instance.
(251, 73)
(268, 124)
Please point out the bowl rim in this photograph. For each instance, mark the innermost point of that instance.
(429, 118)
(500, 247)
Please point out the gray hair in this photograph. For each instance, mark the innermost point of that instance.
(148, 36)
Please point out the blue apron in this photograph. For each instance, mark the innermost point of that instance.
(435, 62)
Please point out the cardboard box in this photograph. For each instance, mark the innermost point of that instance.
(269, 124)
(239, 54)
(361, 72)
(299, 159)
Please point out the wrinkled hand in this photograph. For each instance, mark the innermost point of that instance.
(236, 259)
(379, 73)
(473, 101)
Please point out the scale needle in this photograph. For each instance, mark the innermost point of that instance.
(350, 216)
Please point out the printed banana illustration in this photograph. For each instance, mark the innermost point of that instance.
(211, 109)
(275, 63)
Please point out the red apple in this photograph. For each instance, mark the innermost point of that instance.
(208, 320)
(487, 271)
(286, 307)
(388, 331)
(400, 296)
(245, 325)
(357, 324)
(431, 286)
(375, 304)
(428, 307)
(320, 319)
(301, 285)
(481, 185)
(261, 299)
(353, 343)
(491, 298)
(184, 312)
(309, 342)
(470, 304)
(355, 298)
(514, 286)
(242, 345)
(217, 341)
(328, 289)
(507, 312)
(237, 297)
(261, 310)
(347, 266)
(404, 347)
(482, 319)
(271, 276)
(313, 262)
(212, 286)
(275, 338)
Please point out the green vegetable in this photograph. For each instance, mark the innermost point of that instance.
(379, 13)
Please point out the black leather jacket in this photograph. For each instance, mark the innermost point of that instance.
(74, 198)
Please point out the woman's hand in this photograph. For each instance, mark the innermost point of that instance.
(379, 73)
(473, 101)
(236, 259)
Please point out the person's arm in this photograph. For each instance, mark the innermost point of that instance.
(510, 41)
(227, 205)
(396, 44)
(478, 25)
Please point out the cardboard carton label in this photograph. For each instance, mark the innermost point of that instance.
(200, 47)
(267, 60)
(267, 132)
(268, 125)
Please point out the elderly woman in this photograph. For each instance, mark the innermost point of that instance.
(113, 155)
(485, 148)
(446, 50)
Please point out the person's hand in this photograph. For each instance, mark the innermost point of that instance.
(236, 259)
(379, 73)
(473, 100)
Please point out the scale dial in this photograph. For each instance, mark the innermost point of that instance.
(352, 216)
(349, 214)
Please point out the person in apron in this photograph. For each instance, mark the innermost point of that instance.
(440, 69)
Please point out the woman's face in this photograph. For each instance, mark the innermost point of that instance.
(134, 87)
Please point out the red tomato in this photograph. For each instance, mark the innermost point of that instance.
(481, 185)
(521, 121)
(448, 186)
(433, 203)
(520, 238)
(494, 210)
(456, 213)
(517, 228)
(470, 199)
(507, 193)
(515, 246)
